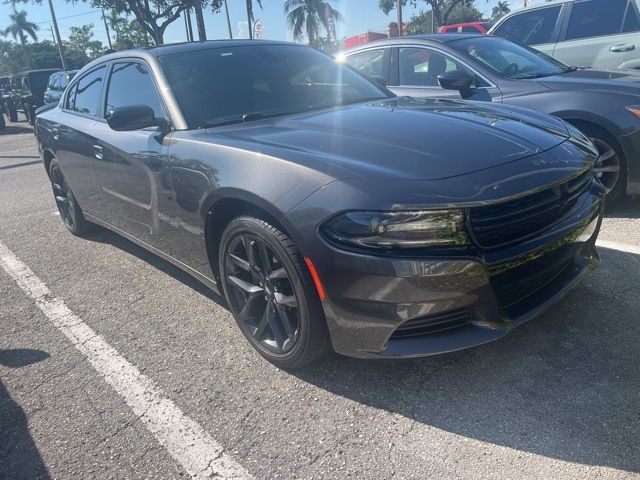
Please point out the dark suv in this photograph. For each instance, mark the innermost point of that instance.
(26, 93)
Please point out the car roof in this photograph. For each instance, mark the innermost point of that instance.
(173, 48)
(441, 38)
(537, 6)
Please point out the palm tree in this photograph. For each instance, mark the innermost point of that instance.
(21, 28)
(310, 15)
(500, 10)
(250, 16)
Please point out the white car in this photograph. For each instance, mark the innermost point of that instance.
(581, 33)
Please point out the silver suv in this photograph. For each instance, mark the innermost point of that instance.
(581, 33)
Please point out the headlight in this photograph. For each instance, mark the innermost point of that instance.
(396, 230)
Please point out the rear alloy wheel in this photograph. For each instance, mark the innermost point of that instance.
(270, 293)
(68, 207)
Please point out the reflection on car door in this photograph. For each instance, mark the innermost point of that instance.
(416, 70)
(601, 33)
(134, 167)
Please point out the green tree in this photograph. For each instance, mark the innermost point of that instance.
(421, 22)
(442, 9)
(81, 39)
(153, 16)
(500, 10)
(309, 16)
(20, 29)
(11, 57)
(128, 33)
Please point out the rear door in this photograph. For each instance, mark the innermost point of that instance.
(538, 27)
(373, 63)
(73, 133)
(602, 34)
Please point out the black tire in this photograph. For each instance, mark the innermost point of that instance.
(13, 113)
(70, 211)
(611, 157)
(27, 113)
(289, 332)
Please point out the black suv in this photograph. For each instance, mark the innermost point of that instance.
(4, 84)
(26, 93)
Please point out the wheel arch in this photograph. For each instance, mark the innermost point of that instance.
(226, 206)
(47, 158)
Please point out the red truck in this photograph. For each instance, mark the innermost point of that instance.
(363, 38)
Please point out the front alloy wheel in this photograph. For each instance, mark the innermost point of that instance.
(271, 294)
(607, 166)
(262, 293)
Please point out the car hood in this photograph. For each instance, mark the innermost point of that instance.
(403, 138)
(620, 81)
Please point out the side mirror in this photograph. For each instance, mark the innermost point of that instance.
(379, 79)
(132, 117)
(457, 80)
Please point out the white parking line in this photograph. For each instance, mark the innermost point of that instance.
(623, 247)
(186, 441)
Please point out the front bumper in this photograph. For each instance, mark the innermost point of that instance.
(370, 298)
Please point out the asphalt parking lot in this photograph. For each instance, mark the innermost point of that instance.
(559, 398)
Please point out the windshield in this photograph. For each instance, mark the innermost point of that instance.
(242, 83)
(509, 59)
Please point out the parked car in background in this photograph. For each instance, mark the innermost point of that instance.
(27, 93)
(581, 33)
(469, 27)
(605, 105)
(4, 86)
(56, 85)
(327, 211)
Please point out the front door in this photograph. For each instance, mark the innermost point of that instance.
(134, 166)
(417, 69)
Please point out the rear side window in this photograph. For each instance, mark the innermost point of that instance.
(595, 18)
(530, 28)
(131, 84)
(370, 62)
(88, 92)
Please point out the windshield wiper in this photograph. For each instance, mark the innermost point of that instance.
(528, 76)
(570, 69)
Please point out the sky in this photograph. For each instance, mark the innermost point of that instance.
(359, 16)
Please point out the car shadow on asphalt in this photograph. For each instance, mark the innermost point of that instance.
(14, 129)
(564, 386)
(624, 208)
(19, 456)
(103, 235)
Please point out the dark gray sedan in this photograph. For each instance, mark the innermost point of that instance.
(605, 105)
(326, 210)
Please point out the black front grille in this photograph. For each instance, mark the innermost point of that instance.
(513, 287)
(505, 223)
(432, 324)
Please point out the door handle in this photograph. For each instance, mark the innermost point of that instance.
(97, 151)
(625, 47)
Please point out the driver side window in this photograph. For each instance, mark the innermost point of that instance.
(131, 84)
(420, 67)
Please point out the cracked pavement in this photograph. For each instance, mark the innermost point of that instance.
(558, 398)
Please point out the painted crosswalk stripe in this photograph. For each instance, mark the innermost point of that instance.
(185, 440)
